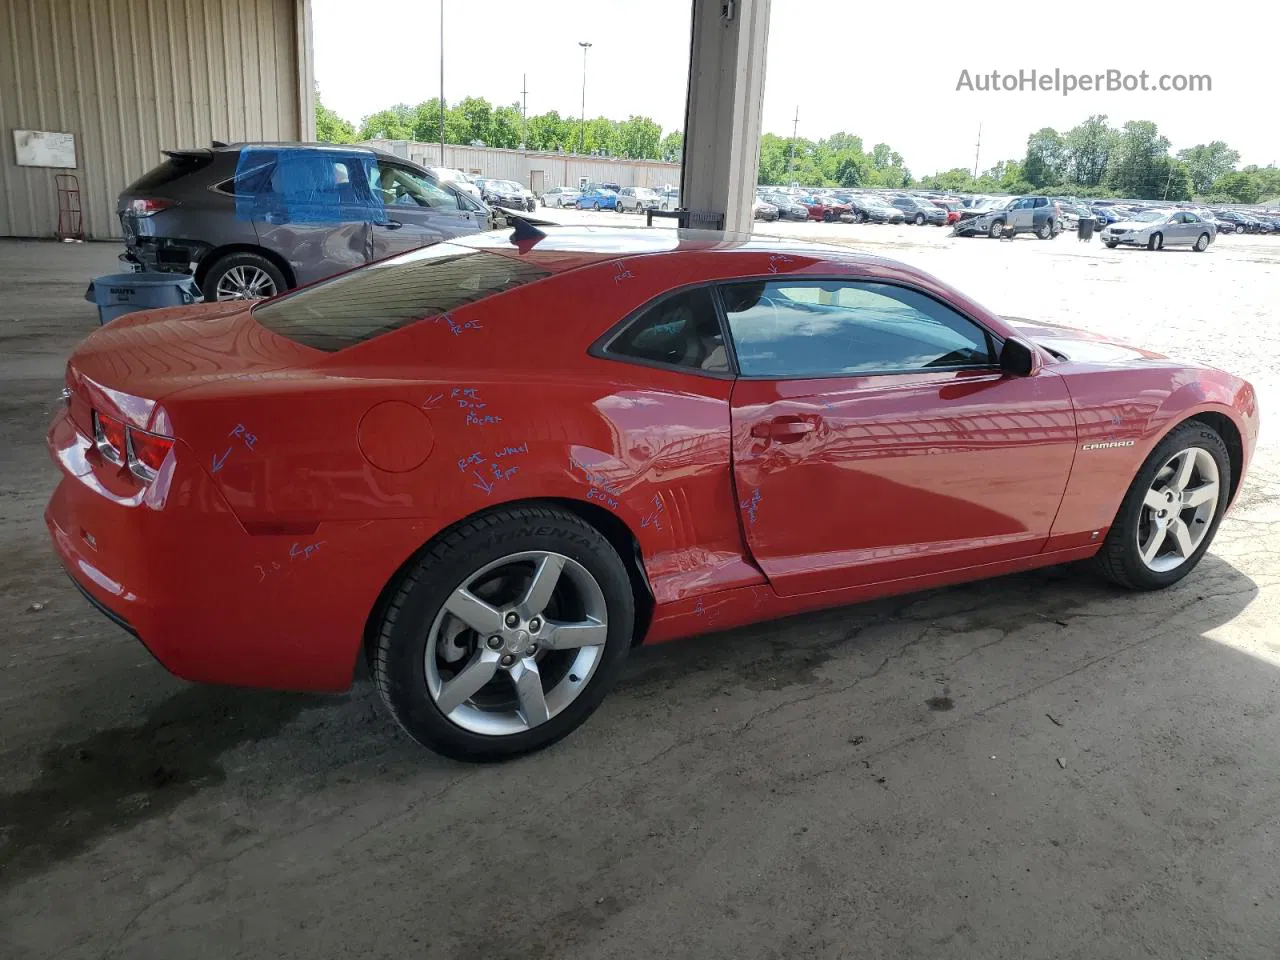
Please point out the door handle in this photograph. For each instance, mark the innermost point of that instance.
(392, 224)
(783, 429)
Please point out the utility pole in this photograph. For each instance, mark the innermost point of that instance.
(1168, 181)
(977, 147)
(791, 164)
(442, 83)
(524, 111)
(582, 124)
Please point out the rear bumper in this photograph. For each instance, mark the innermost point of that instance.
(171, 564)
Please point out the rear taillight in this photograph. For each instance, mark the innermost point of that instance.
(148, 206)
(146, 453)
(109, 437)
(142, 452)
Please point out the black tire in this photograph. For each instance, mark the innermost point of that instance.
(227, 262)
(1155, 241)
(1045, 230)
(596, 206)
(1118, 560)
(997, 228)
(398, 657)
(543, 202)
(826, 216)
(1111, 244)
(1202, 243)
(860, 217)
(919, 220)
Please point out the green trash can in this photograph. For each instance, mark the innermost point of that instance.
(119, 293)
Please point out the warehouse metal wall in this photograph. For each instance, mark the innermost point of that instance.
(557, 169)
(132, 77)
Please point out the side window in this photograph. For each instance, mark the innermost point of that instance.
(1042, 201)
(400, 187)
(816, 328)
(682, 330)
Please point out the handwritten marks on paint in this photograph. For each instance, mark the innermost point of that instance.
(468, 402)
(241, 438)
(490, 470)
(751, 507)
(297, 551)
(777, 258)
(654, 517)
(620, 272)
(455, 326)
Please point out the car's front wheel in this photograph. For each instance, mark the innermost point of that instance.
(1171, 512)
(919, 221)
(1111, 244)
(243, 276)
(505, 635)
(1155, 241)
(997, 228)
(596, 206)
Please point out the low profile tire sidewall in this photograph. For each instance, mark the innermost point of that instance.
(1193, 434)
(402, 644)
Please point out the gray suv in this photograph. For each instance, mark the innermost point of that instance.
(252, 220)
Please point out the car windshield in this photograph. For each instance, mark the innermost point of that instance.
(1150, 216)
(509, 185)
(385, 296)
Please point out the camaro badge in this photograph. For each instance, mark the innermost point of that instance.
(1108, 445)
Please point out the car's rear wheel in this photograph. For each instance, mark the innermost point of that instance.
(1171, 512)
(1155, 241)
(1045, 230)
(243, 276)
(505, 635)
(1202, 243)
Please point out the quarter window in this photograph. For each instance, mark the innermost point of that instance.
(681, 330)
(804, 329)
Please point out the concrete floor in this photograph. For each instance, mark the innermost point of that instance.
(1038, 766)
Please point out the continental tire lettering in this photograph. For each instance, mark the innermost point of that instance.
(1108, 445)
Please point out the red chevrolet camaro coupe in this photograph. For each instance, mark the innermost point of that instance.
(492, 466)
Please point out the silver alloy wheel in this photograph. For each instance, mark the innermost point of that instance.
(516, 643)
(1202, 242)
(245, 283)
(1178, 509)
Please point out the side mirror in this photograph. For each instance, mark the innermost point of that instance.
(1017, 358)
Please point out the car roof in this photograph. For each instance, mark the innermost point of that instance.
(569, 247)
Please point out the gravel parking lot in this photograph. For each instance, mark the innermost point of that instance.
(1038, 766)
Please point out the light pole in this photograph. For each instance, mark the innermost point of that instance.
(582, 124)
(442, 83)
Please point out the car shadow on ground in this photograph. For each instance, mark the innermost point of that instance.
(105, 781)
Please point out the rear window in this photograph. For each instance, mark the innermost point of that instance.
(391, 294)
(175, 168)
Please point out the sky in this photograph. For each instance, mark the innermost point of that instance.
(886, 72)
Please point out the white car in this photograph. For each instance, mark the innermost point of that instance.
(1157, 229)
(560, 197)
(456, 177)
(638, 199)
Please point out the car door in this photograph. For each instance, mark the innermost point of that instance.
(876, 438)
(1021, 214)
(1183, 228)
(311, 206)
(418, 211)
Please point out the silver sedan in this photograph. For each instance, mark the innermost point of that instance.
(1157, 229)
(561, 197)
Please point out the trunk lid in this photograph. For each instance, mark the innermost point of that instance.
(126, 368)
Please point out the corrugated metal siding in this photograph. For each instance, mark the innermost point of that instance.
(130, 78)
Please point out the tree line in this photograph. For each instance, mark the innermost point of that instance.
(1092, 159)
(474, 120)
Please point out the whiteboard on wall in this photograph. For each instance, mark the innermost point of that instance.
(44, 148)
